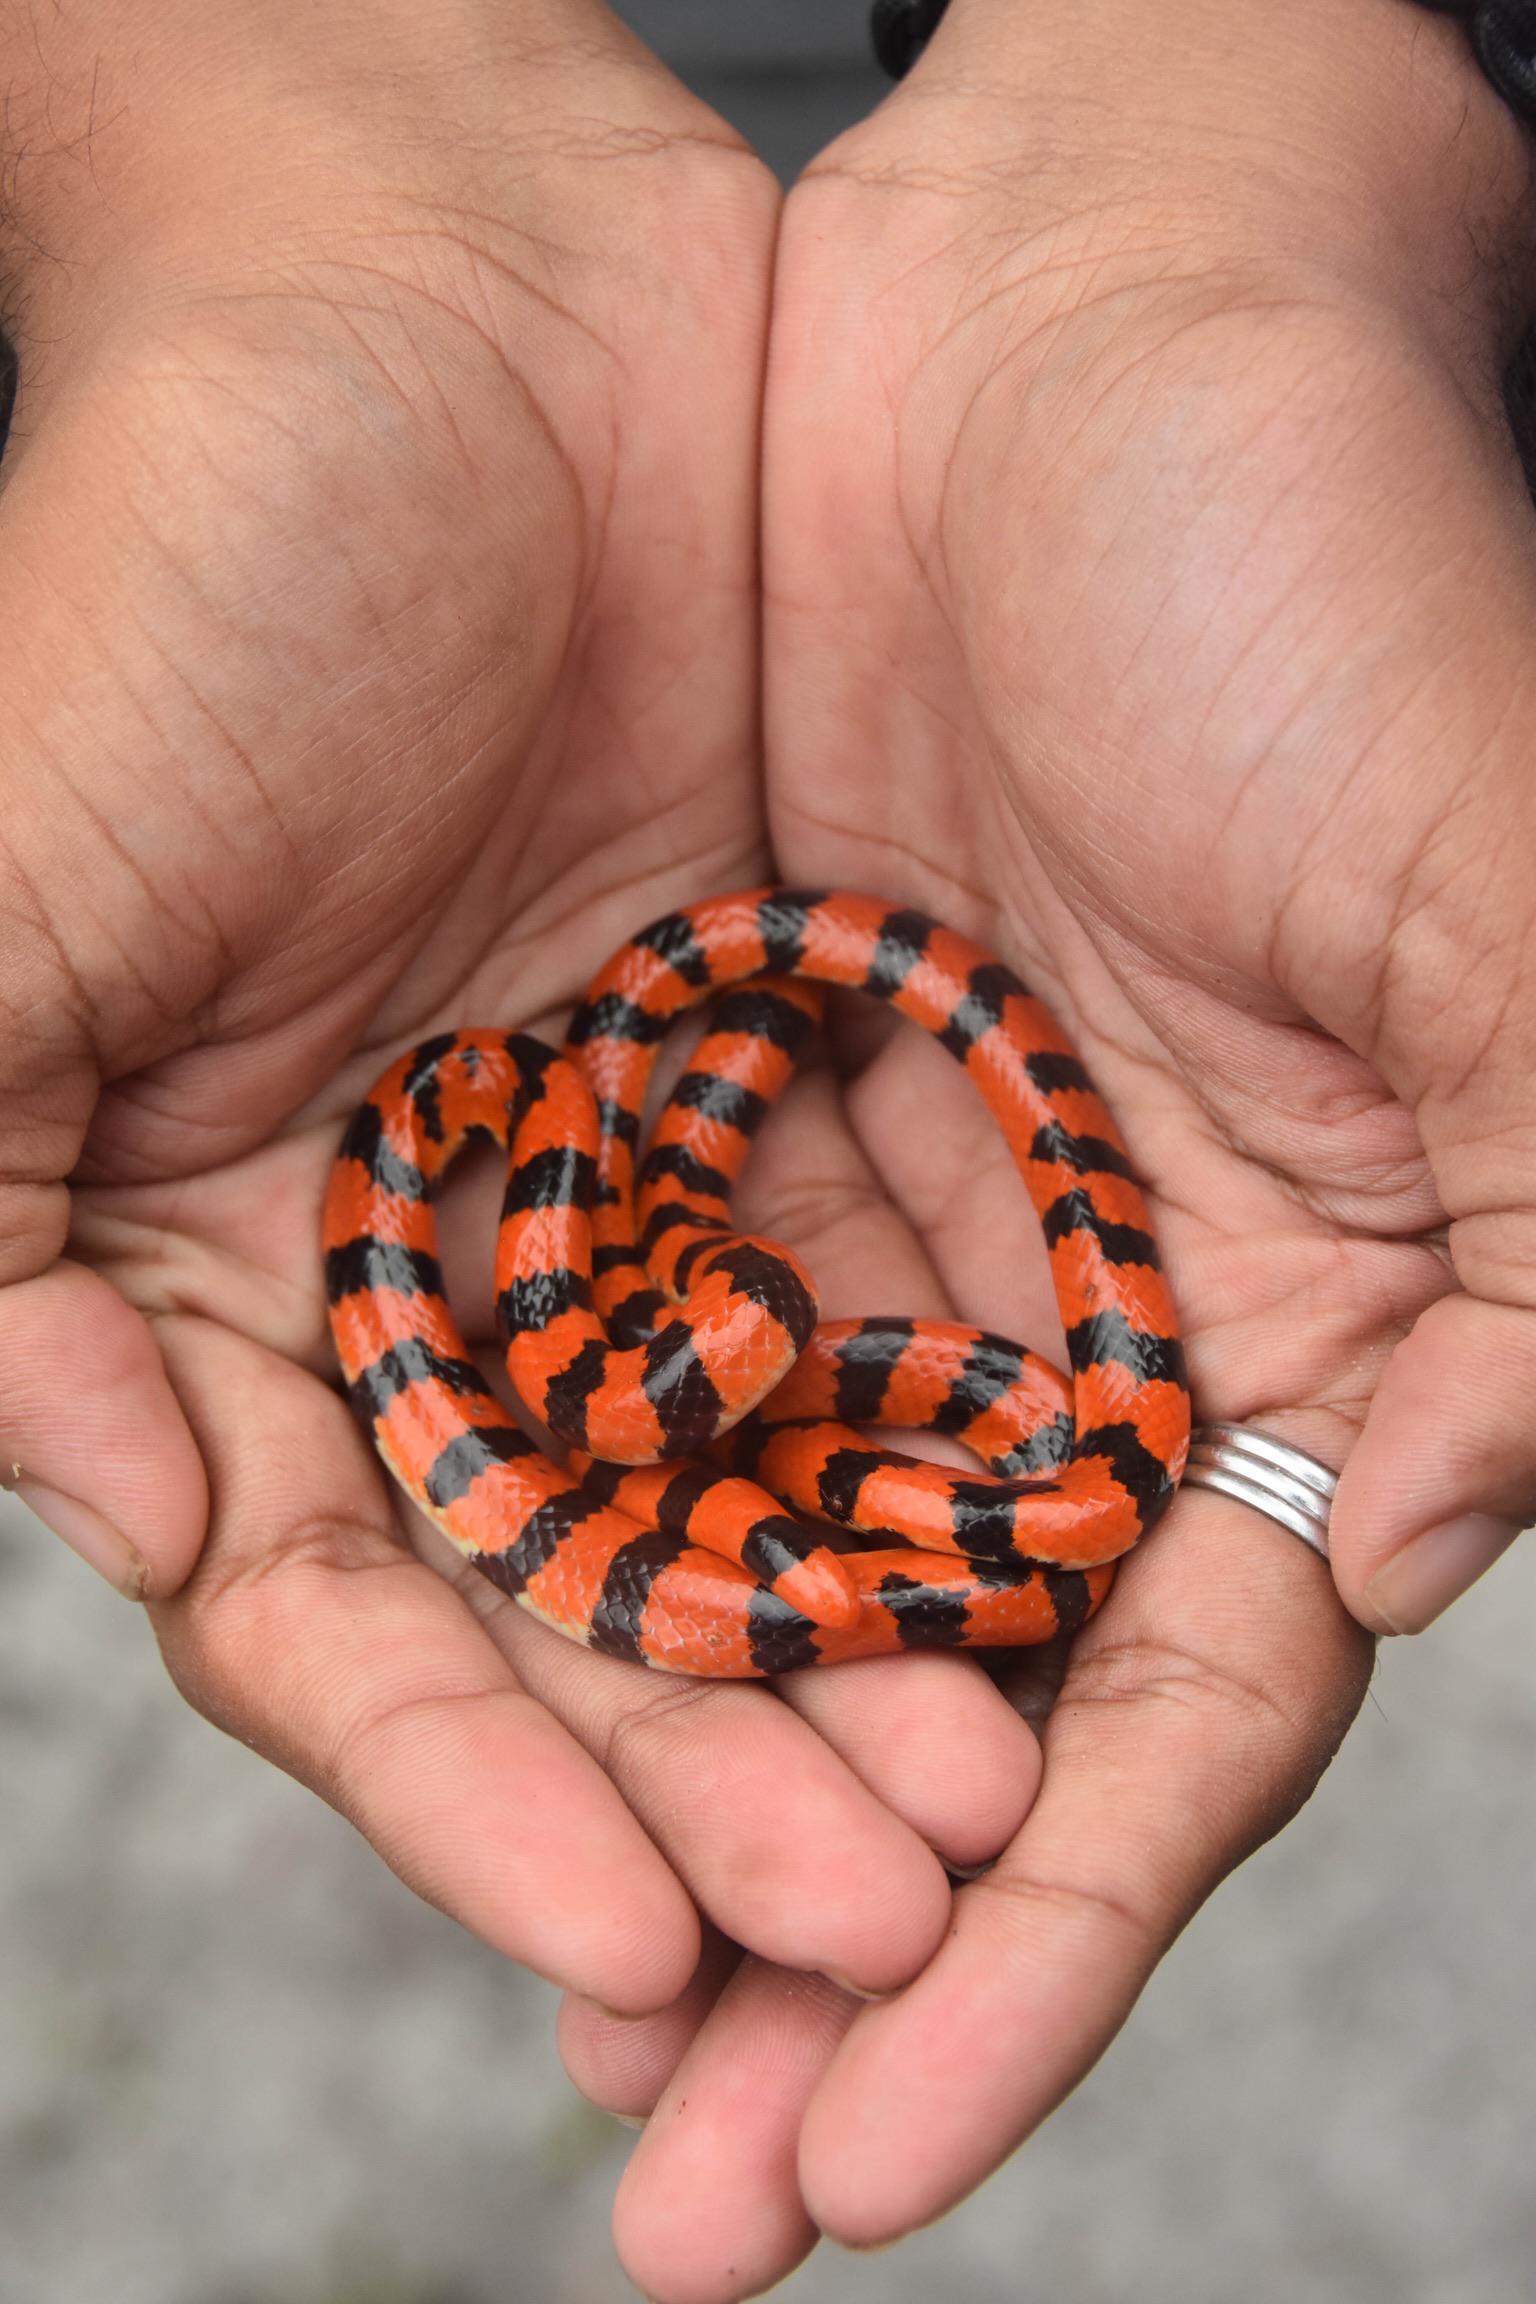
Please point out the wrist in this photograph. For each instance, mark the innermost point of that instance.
(1329, 122)
(116, 113)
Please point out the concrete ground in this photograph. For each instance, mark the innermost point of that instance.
(239, 2065)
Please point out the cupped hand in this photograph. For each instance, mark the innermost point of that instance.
(1149, 585)
(378, 649)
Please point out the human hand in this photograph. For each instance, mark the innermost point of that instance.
(379, 648)
(1148, 570)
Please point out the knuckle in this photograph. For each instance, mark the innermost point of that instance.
(1082, 1903)
(1166, 1675)
(1264, 1742)
(275, 1579)
(649, 1726)
(358, 1752)
(242, 1606)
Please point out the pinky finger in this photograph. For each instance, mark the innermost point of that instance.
(622, 2063)
(308, 1631)
(723, 2140)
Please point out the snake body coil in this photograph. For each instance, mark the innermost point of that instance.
(642, 1328)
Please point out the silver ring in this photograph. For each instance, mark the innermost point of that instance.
(1276, 1479)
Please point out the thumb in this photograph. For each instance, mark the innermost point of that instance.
(1443, 1477)
(92, 1437)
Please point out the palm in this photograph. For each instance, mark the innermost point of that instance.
(472, 888)
(1040, 703)
(435, 772)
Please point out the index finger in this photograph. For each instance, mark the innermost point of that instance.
(1197, 1714)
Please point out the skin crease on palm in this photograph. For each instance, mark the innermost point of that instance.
(1145, 567)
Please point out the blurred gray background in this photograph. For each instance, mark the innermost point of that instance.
(239, 2065)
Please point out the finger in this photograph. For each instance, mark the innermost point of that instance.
(1443, 1477)
(622, 2063)
(92, 1438)
(942, 1748)
(310, 1633)
(1197, 1713)
(723, 2139)
(775, 1836)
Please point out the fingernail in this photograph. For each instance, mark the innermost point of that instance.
(858, 1991)
(966, 1873)
(1420, 1582)
(628, 2119)
(98, 1543)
